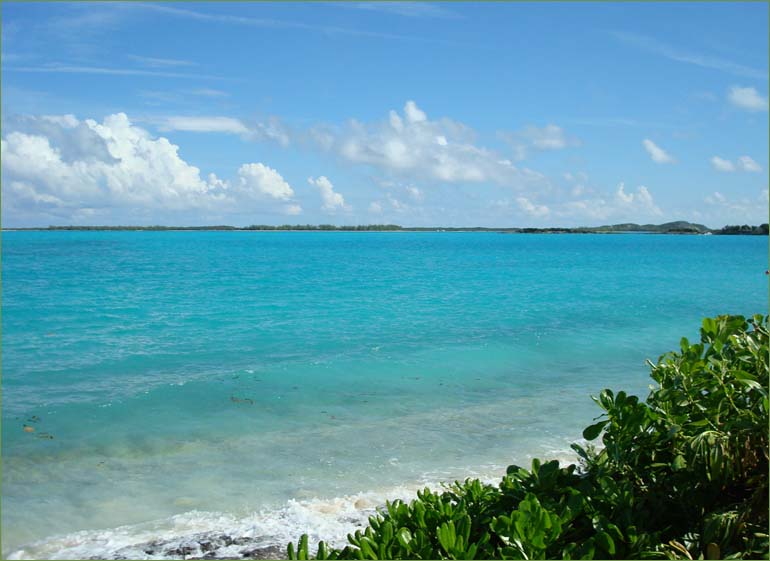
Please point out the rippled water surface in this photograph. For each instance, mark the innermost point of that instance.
(262, 384)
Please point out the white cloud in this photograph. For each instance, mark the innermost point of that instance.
(649, 44)
(715, 198)
(413, 113)
(154, 62)
(293, 210)
(658, 155)
(273, 129)
(549, 137)
(745, 163)
(409, 9)
(532, 209)
(579, 176)
(65, 121)
(204, 124)
(415, 193)
(259, 178)
(209, 92)
(747, 98)
(642, 199)
(748, 164)
(72, 69)
(412, 145)
(62, 169)
(720, 164)
(132, 167)
(621, 206)
(332, 201)
(723, 210)
(260, 22)
(395, 204)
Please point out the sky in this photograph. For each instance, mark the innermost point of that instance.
(413, 113)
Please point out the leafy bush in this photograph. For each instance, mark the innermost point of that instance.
(683, 475)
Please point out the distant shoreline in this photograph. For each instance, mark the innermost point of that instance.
(677, 228)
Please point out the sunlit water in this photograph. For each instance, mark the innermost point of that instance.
(267, 384)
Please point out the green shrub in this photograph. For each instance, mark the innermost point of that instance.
(683, 475)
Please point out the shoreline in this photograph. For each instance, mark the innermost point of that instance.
(669, 228)
(261, 534)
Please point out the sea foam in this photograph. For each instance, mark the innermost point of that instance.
(217, 535)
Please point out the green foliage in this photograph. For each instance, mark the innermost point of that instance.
(682, 475)
(761, 230)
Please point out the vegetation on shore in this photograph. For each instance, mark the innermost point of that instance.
(682, 475)
(679, 227)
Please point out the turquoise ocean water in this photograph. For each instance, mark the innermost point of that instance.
(263, 384)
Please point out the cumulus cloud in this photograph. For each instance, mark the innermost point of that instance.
(413, 145)
(720, 164)
(531, 209)
(722, 209)
(414, 192)
(715, 198)
(413, 113)
(579, 176)
(658, 155)
(74, 139)
(747, 98)
(261, 179)
(549, 137)
(65, 169)
(332, 201)
(618, 205)
(137, 169)
(622, 205)
(395, 204)
(744, 163)
(391, 203)
(642, 198)
(293, 210)
(748, 164)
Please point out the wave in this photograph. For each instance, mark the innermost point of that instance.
(217, 535)
(263, 534)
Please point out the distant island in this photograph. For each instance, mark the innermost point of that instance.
(678, 227)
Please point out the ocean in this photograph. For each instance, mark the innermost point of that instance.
(171, 394)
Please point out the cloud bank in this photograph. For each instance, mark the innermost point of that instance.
(64, 169)
(411, 145)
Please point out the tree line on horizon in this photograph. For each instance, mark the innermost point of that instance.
(678, 227)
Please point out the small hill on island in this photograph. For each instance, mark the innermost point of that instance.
(677, 227)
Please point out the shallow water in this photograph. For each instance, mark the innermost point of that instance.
(262, 384)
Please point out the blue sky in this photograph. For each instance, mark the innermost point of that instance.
(458, 114)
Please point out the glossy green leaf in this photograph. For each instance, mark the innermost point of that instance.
(592, 431)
